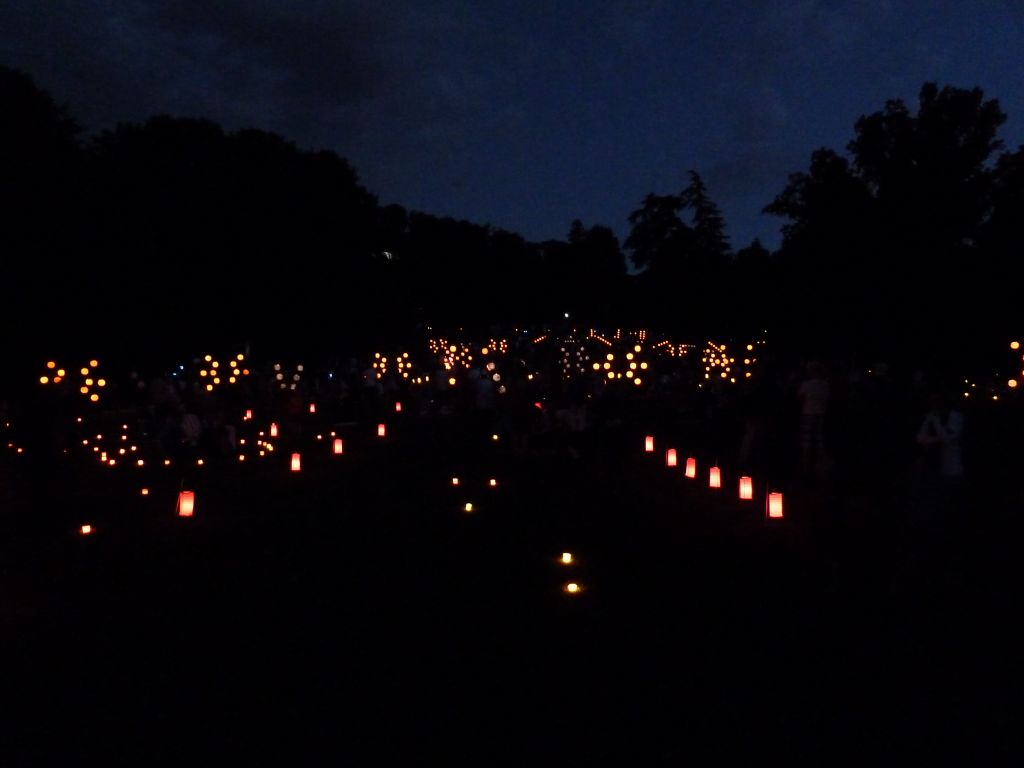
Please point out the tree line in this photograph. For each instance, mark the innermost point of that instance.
(173, 233)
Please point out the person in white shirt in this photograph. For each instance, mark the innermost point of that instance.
(813, 393)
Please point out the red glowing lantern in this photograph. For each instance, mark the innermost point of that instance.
(670, 457)
(382, 430)
(493, 483)
(312, 407)
(338, 447)
(746, 488)
(273, 429)
(248, 414)
(296, 462)
(691, 468)
(455, 481)
(398, 407)
(186, 503)
(85, 530)
(775, 505)
(649, 444)
(715, 477)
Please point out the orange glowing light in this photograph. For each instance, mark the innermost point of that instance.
(775, 505)
(670, 457)
(567, 558)
(455, 481)
(746, 488)
(51, 365)
(273, 429)
(382, 430)
(248, 414)
(85, 530)
(572, 588)
(44, 379)
(296, 462)
(145, 491)
(493, 483)
(339, 448)
(312, 407)
(468, 507)
(398, 407)
(649, 444)
(186, 503)
(715, 478)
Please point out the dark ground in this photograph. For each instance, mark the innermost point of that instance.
(353, 614)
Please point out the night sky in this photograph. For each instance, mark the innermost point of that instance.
(526, 115)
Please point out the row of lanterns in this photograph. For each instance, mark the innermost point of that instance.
(773, 504)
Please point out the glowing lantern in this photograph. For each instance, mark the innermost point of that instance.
(248, 414)
(296, 462)
(145, 491)
(86, 530)
(566, 558)
(649, 444)
(572, 588)
(455, 481)
(382, 430)
(186, 503)
(670, 457)
(493, 483)
(691, 468)
(775, 505)
(312, 407)
(398, 407)
(746, 488)
(273, 429)
(338, 447)
(468, 507)
(715, 477)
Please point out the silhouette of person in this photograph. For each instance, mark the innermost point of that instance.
(813, 393)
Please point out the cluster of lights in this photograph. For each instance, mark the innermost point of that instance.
(401, 363)
(574, 359)
(213, 374)
(628, 365)
(89, 382)
(672, 350)
(720, 364)
(1013, 382)
(286, 379)
(451, 354)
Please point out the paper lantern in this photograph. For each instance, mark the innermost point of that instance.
(296, 462)
(573, 588)
(312, 407)
(145, 491)
(649, 444)
(468, 507)
(746, 488)
(382, 430)
(398, 407)
(338, 447)
(566, 558)
(493, 483)
(85, 530)
(273, 429)
(248, 414)
(691, 468)
(670, 457)
(775, 505)
(186, 503)
(455, 481)
(715, 477)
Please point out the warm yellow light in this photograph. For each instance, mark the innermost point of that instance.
(609, 356)
(239, 356)
(494, 437)
(88, 382)
(1012, 383)
(209, 387)
(492, 482)
(216, 380)
(629, 355)
(145, 491)
(750, 347)
(86, 530)
(60, 372)
(611, 374)
(84, 371)
(629, 374)
(215, 364)
(51, 364)
(468, 507)
(101, 382)
(643, 366)
(94, 397)
(208, 358)
(44, 379)
(1014, 345)
(567, 557)
(231, 379)
(451, 381)
(84, 390)
(637, 381)
(202, 372)
(572, 588)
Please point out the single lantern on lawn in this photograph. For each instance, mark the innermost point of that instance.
(186, 503)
